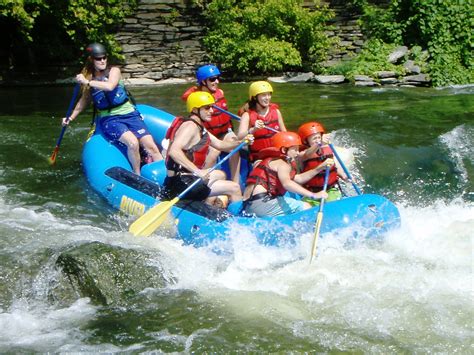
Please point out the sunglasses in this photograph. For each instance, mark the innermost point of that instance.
(213, 78)
(100, 59)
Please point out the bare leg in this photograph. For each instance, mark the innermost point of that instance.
(149, 145)
(133, 153)
(234, 161)
(219, 186)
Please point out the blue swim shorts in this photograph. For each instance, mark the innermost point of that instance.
(115, 125)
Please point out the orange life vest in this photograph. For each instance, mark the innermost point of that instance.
(197, 153)
(316, 184)
(263, 175)
(220, 123)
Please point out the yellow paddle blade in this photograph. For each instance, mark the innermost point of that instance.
(316, 235)
(152, 219)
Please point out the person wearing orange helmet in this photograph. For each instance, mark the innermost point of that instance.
(276, 174)
(260, 117)
(220, 125)
(319, 153)
(187, 152)
(117, 117)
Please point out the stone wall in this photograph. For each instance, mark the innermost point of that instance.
(162, 40)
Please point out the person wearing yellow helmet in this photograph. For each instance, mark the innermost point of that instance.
(117, 117)
(220, 125)
(187, 152)
(319, 153)
(275, 174)
(257, 114)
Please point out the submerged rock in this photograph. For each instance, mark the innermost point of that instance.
(108, 274)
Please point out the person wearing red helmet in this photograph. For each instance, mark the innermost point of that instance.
(220, 125)
(275, 174)
(319, 153)
(117, 117)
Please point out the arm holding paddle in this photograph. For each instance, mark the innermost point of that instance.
(80, 106)
(152, 219)
(237, 118)
(52, 159)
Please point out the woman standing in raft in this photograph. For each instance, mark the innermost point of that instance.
(118, 118)
(274, 175)
(220, 125)
(259, 112)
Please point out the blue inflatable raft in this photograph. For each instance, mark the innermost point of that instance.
(109, 173)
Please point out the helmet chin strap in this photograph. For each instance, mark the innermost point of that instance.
(204, 83)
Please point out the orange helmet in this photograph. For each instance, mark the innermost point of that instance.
(286, 140)
(307, 129)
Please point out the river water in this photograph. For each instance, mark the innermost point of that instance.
(411, 292)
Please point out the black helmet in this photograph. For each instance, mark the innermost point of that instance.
(96, 50)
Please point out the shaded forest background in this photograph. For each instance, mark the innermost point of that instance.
(285, 35)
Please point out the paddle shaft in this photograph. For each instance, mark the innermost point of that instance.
(153, 218)
(68, 113)
(319, 219)
(237, 118)
(227, 157)
(344, 168)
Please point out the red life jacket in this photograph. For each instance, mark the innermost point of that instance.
(263, 136)
(197, 153)
(220, 123)
(263, 175)
(316, 184)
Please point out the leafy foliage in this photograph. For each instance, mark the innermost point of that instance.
(444, 28)
(371, 59)
(250, 37)
(53, 29)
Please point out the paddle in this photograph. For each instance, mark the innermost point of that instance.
(151, 220)
(52, 159)
(319, 219)
(237, 118)
(345, 169)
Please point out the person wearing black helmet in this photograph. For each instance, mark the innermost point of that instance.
(118, 119)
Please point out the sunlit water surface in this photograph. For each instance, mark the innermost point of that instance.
(409, 292)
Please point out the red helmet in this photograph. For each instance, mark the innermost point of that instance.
(286, 140)
(307, 129)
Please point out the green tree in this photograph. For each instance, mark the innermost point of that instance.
(261, 37)
(53, 30)
(444, 28)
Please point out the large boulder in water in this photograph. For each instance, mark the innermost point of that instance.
(108, 275)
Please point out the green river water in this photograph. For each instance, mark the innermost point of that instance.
(411, 292)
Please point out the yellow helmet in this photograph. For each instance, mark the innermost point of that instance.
(199, 99)
(259, 87)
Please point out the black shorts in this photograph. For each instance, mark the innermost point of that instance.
(174, 185)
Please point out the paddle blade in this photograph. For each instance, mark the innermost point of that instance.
(316, 235)
(52, 158)
(152, 219)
